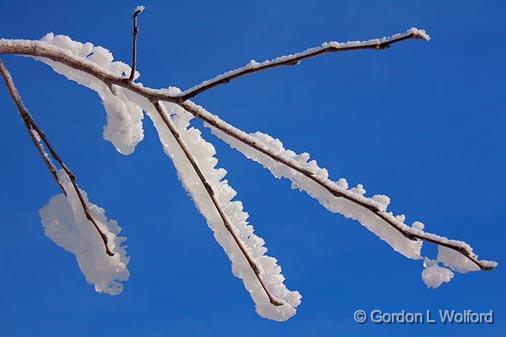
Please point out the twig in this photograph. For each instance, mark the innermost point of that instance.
(138, 10)
(226, 222)
(294, 59)
(41, 49)
(38, 138)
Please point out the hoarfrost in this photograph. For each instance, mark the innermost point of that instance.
(204, 152)
(312, 183)
(124, 119)
(455, 261)
(433, 275)
(139, 9)
(297, 57)
(65, 223)
(124, 123)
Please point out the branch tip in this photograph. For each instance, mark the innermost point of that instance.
(420, 34)
(138, 10)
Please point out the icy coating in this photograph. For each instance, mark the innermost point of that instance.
(124, 129)
(419, 33)
(124, 119)
(204, 152)
(355, 206)
(433, 275)
(349, 209)
(455, 261)
(66, 225)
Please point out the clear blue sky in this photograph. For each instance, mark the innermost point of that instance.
(421, 122)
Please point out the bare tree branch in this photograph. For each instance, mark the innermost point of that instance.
(38, 137)
(138, 10)
(294, 59)
(226, 222)
(41, 49)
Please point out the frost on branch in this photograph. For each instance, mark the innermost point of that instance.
(139, 9)
(372, 213)
(124, 119)
(65, 223)
(124, 123)
(456, 261)
(296, 58)
(204, 153)
(399, 242)
(124, 100)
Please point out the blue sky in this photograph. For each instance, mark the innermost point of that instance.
(421, 122)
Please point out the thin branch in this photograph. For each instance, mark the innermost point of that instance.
(138, 10)
(294, 59)
(36, 140)
(41, 49)
(39, 138)
(226, 222)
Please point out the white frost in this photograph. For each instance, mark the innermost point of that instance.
(455, 261)
(124, 119)
(433, 275)
(307, 176)
(116, 107)
(422, 34)
(313, 186)
(124, 123)
(419, 33)
(66, 225)
(204, 152)
(139, 9)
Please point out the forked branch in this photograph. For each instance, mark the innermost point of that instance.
(40, 140)
(246, 139)
(41, 49)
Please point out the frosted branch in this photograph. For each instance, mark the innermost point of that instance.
(123, 98)
(246, 142)
(39, 139)
(59, 55)
(294, 59)
(66, 224)
(211, 193)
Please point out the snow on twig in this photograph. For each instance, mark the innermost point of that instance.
(70, 220)
(294, 59)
